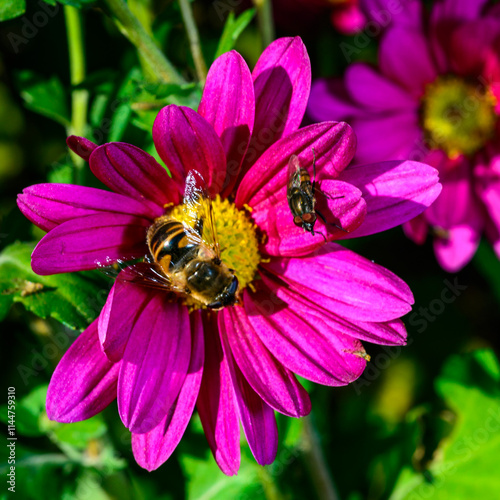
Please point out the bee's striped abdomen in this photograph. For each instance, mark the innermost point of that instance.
(168, 243)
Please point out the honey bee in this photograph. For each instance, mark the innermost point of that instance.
(300, 195)
(184, 256)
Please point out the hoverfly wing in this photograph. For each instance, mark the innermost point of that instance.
(293, 178)
(148, 274)
(200, 226)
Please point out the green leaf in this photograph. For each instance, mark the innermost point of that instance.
(73, 299)
(11, 8)
(232, 30)
(74, 3)
(466, 463)
(206, 481)
(79, 434)
(46, 97)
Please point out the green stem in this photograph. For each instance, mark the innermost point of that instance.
(265, 19)
(138, 36)
(141, 9)
(79, 97)
(271, 490)
(194, 40)
(316, 464)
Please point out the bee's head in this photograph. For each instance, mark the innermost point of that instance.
(227, 297)
(305, 221)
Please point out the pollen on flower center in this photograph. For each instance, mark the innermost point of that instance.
(237, 238)
(458, 116)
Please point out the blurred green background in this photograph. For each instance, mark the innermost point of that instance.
(423, 422)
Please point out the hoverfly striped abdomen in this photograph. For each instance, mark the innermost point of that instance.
(169, 244)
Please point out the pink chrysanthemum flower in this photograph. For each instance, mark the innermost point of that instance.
(435, 97)
(304, 305)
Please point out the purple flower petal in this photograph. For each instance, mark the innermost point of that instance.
(345, 208)
(371, 89)
(363, 290)
(131, 171)
(155, 447)
(48, 205)
(405, 58)
(394, 191)
(304, 343)
(276, 385)
(257, 418)
(217, 403)
(186, 141)
(84, 381)
(155, 364)
(334, 145)
(228, 104)
(90, 242)
(125, 304)
(395, 136)
(330, 100)
(386, 13)
(282, 80)
(81, 146)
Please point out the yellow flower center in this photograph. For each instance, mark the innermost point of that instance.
(458, 117)
(237, 237)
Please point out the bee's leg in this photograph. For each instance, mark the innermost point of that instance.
(314, 170)
(330, 223)
(198, 227)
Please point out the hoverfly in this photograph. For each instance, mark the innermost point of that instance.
(184, 256)
(300, 195)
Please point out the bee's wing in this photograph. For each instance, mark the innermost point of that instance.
(293, 172)
(199, 212)
(145, 273)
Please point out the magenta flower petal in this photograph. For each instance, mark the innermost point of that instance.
(217, 405)
(185, 141)
(81, 146)
(334, 146)
(228, 104)
(459, 246)
(394, 192)
(346, 208)
(155, 447)
(124, 305)
(370, 89)
(154, 365)
(275, 384)
(48, 205)
(131, 171)
(89, 242)
(282, 81)
(363, 290)
(305, 344)
(473, 46)
(406, 59)
(417, 229)
(84, 382)
(385, 333)
(257, 418)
